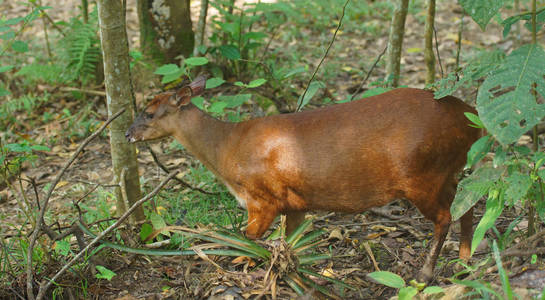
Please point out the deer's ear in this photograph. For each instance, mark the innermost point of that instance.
(197, 86)
(182, 96)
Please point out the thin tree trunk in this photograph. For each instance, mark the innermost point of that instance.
(395, 42)
(429, 57)
(166, 30)
(115, 53)
(201, 26)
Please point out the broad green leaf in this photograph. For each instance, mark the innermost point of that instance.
(494, 207)
(257, 82)
(196, 61)
(500, 156)
(167, 69)
(145, 231)
(433, 290)
(198, 101)
(240, 84)
(312, 89)
(293, 72)
(388, 279)
(14, 21)
(158, 223)
(253, 35)
(407, 293)
(4, 28)
(19, 46)
(481, 11)
(172, 76)
(505, 102)
(104, 273)
(518, 185)
(472, 188)
(214, 82)
(217, 107)
(230, 52)
(234, 100)
(5, 68)
(478, 150)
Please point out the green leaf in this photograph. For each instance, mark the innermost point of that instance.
(375, 91)
(198, 101)
(230, 52)
(240, 84)
(256, 83)
(481, 11)
(40, 148)
(388, 279)
(62, 247)
(472, 188)
(214, 82)
(478, 150)
(145, 231)
(233, 101)
(433, 290)
(14, 21)
(4, 92)
(477, 123)
(476, 285)
(503, 275)
(293, 72)
(196, 61)
(158, 223)
(511, 110)
(312, 89)
(5, 68)
(8, 35)
(19, 46)
(254, 36)
(494, 207)
(407, 293)
(172, 76)
(166, 69)
(4, 28)
(217, 107)
(104, 273)
(500, 156)
(518, 185)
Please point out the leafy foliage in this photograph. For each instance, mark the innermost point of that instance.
(481, 10)
(505, 101)
(81, 48)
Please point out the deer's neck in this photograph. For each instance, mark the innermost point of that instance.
(202, 135)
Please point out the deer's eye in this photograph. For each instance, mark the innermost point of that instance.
(148, 115)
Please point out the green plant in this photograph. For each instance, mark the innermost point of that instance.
(406, 292)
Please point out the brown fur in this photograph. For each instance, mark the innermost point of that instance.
(349, 157)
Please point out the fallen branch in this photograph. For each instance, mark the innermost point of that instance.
(46, 284)
(43, 207)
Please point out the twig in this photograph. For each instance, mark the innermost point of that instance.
(156, 160)
(49, 18)
(369, 73)
(40, 217)
(438, 55)
(90, 92)
(460, 41)
(47, 284)
(299, 107)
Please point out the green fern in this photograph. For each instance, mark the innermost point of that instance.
(81, 49)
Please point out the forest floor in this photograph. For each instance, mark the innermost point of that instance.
(396, 235)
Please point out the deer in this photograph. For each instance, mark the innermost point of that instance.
(349, 157)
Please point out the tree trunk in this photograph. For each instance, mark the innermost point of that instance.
(429, 57)
(395, 42)
(115, 53)
(165, 29)
(201, 26)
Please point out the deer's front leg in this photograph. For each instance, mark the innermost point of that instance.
(260, 217)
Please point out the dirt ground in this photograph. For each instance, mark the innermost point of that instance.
(397, 235)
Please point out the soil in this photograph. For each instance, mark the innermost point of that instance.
(395, 236)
